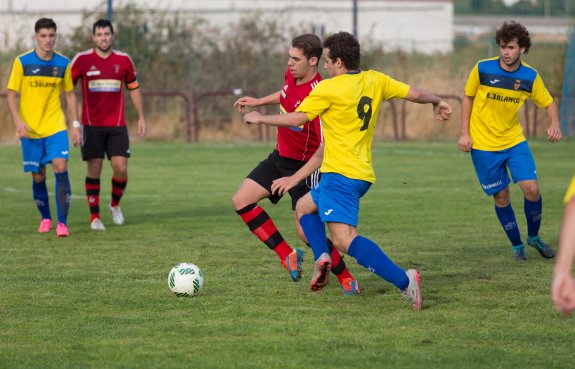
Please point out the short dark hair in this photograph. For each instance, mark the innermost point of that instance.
(344, 45)
(45, 23)
(513, 30)
(309, 44)
(102, 23)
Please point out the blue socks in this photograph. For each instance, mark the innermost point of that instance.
(371, 257)
(314, 231)
(367, 253)
(533, 212)
(506, 217)
(40, 193)
(63, 196)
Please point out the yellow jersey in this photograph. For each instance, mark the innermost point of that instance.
(39, 82)
(348, 106)
(570, 191)
(498, 96)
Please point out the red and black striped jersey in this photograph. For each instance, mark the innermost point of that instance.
(103, 82)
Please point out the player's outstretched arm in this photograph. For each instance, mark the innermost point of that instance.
(554, 129)
(244, 101)
(441, 109)
(563, 287)
(294, 119)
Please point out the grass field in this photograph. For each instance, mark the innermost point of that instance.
(101, 300)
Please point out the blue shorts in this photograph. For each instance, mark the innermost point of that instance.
(37, 152)
(491, 167)
(337, 198)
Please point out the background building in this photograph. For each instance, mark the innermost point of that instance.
(388, 22)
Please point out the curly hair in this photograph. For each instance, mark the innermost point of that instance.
(344, 45)
(513, 30)
(309, 44)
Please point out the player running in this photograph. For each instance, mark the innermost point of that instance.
(295, 146)
(495, 91)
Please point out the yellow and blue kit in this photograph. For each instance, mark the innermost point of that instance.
(498, 96)
(38, 82)
(348, 106)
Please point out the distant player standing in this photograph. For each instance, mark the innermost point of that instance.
(295, 146)
(348, 105)
(39, 75)
(104, 73)
(495, 91)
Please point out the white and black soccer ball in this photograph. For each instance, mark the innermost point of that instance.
(186, 279)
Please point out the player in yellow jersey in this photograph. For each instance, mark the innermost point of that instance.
(563, 289)
(495, 91)
(39, 75)
(348, 105)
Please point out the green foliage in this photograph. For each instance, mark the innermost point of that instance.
(523, 7)
(188, 55)
(101, 299)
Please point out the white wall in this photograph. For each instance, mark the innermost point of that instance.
(424, 25)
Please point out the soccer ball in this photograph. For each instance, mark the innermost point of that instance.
(186, 279)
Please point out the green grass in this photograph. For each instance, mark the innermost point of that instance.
(101, 300)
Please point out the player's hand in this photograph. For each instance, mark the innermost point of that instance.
(282, 185)
(465, 143)
(563, 293)
(442, 110)
(554, 132)
(242, 102)
(22, 129)
(252, 117)
(76, 136)
(141, 127)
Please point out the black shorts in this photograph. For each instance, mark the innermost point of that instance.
(275, 167)
(112, 141)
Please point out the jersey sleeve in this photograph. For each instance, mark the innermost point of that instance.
(394, 89)
(472, 82)
(76, 70)
(540, 96)
(130, 77)
(15, 81)
(316, 102)
(67, 83)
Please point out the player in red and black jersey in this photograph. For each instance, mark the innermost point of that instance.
(295, 146)
(104, 72)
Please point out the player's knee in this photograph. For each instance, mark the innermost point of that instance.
(531, 192)
(305, 205)
(121, 173)
(341, 243)
(59, 166)
(239, 201)
(502, 198)
(38, 177)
